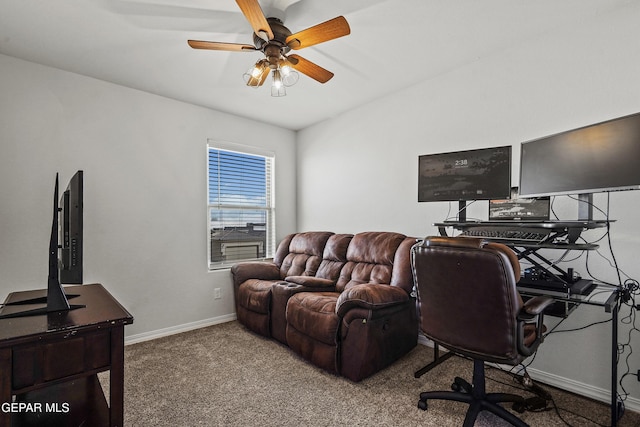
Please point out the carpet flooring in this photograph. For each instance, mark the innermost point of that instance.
(224, 375)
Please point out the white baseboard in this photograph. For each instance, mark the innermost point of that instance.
(159, 333)
(581, 389)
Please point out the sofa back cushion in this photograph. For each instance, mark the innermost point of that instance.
(300, 254)
(334, 256)
(370, 259)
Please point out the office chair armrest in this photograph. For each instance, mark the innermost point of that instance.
(370, 296)
(534, 307)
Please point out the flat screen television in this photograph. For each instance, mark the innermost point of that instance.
(54, 297)
(71, 231)
(596, 158)
(481, 174)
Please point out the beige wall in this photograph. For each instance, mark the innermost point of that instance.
(359, 171)
(144, 162)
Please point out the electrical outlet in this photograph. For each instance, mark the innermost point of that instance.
(217, 293)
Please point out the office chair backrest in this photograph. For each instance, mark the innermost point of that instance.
(467, 296)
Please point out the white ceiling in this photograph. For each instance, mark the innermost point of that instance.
(393, 45)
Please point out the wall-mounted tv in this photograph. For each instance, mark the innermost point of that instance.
(481, 174)
(601, 157)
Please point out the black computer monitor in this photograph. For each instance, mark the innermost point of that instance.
(596, 158)
(481, 174)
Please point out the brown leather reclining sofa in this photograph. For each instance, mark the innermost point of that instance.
(341, 301)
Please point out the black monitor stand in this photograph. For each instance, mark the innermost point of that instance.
(462, 210)
(585, 207)
(56, 299)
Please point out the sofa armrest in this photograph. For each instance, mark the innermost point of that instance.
(370, 296)
(311, 281)
(254, 270)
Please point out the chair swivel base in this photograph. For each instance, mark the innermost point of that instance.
(476, 396)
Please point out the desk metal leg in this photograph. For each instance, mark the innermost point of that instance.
(437, 359)
(614, 366)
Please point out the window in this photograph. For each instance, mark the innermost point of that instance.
(240, 207)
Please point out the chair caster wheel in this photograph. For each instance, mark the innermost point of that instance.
(460, 385)
(519, 407)
(422, 404)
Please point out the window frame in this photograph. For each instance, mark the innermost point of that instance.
(268, 208)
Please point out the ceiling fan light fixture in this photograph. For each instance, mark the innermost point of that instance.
(289, 75)
(257, 74)
(277, 87)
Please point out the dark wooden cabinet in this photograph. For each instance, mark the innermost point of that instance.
(49, 363)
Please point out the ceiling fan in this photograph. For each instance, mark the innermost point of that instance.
(275, 40)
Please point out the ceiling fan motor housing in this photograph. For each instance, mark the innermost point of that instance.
(280, 34)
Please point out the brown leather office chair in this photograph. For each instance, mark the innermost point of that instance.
(469, 304)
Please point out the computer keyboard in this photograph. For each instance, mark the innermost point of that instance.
(532, 235)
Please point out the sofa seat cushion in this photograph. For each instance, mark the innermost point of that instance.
(255, 295)
(314, 315)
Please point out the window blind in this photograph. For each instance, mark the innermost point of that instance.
(241, 220)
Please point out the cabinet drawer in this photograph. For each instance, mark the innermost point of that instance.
(55, 359)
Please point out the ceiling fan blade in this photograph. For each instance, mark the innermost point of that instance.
(253, 13)
(329, 30)
(233, 47)
(307, 67)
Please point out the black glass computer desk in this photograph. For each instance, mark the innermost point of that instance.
(567, 291)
